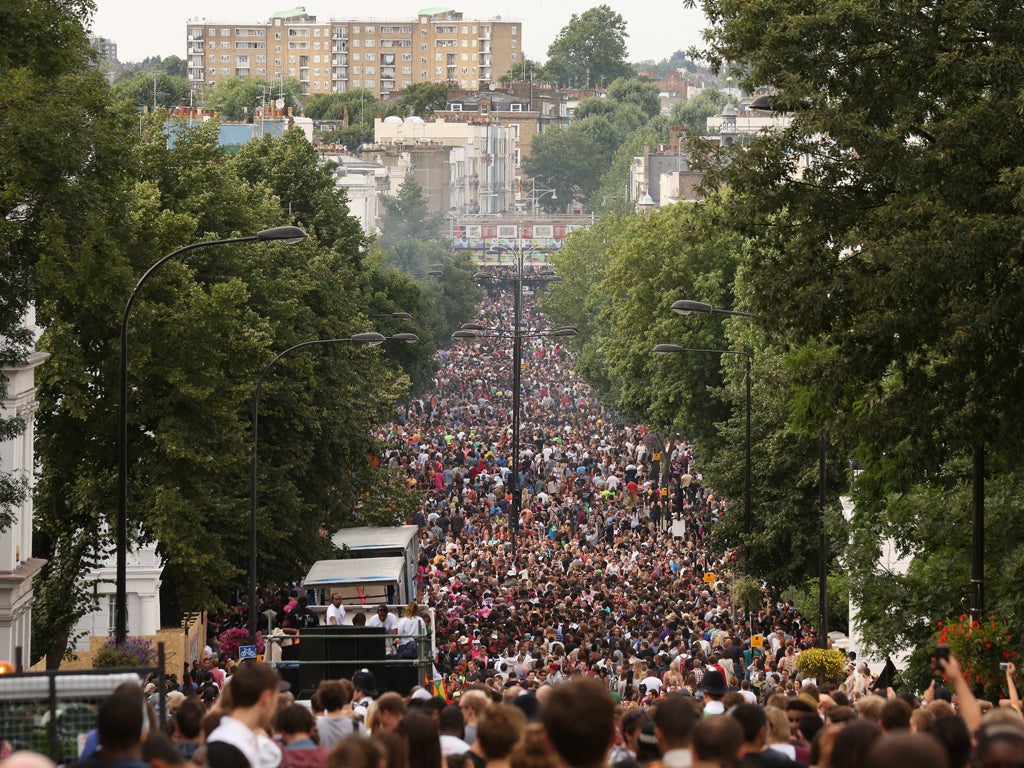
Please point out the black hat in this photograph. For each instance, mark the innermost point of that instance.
(363, 680)
(713, 683)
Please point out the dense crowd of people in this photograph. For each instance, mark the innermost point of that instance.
(596, 632)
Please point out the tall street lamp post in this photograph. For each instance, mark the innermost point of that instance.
(370, 338)
(286, 234)
(518, 332)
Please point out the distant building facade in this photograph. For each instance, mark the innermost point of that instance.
(438, 46)
(525, 109)
(18, 568)
(467, 167)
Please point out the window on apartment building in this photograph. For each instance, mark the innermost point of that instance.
(514, 44)
(316, 32)
(438, 57)
(357, 56)
(212, 58)
(211, 71)
(262, 72)
(316, 72)
(212, 45)
(355, 29)
(370, 30)
(225, 46)
(406, 83)
(465, 57)
(515, 30)
(225, 71)
(423, 46)
(261, 59)
(291, 59)
(225, 58)
(225, 32)
(355, 43)
(357, 70)
(213, 33)
(277, 35)
(465, 43)
(423, 74)
(316, 46)
(514, 58)
(316, 59)
(369, 43)
(437, 71)
(406, 57)
(465, 70)
(241, 61)
(277, 49)
(368, 84)
(277, 62)
(370, 70)
(355, 84)
(406, 70)
(291, 71)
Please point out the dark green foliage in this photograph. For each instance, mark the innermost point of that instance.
(591, 48)
(420, 99)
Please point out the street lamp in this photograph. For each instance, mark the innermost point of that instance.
(518, 331)
(536, 198)
(686, 306)
(476, 331)
(287, 234)
(371, 338)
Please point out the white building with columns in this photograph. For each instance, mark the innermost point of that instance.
(142, 592)
(18, 568)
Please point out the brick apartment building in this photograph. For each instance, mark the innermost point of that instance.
(438, 46)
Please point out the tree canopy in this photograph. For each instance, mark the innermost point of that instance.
(885, 264)
(591, 48)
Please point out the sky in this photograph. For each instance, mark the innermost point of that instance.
(141, 28)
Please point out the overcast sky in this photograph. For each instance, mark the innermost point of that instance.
(141, 28)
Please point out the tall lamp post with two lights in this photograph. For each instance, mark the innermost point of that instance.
(517, 333)
(287, 234)
(372, 339)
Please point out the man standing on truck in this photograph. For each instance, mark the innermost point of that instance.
(388, 622)
(335, 611)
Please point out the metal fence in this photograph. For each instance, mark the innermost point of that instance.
(51, 712)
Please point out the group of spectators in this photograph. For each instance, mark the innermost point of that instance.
(597, 631)
(608, 569)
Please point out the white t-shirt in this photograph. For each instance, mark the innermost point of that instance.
(337, 612)
(260, 751)
(410, 626)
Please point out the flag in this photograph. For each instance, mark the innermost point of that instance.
(886, 678)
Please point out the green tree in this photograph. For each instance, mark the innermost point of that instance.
(201, 332)
(569, 160)
(290, 167)
(408, 218)
(886, 220)
(421, 99)
(153, 89)
(238, 98)
(693, 113)
(591, 48)
(60, 141)
(643, 95)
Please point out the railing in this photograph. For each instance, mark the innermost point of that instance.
(48, 712)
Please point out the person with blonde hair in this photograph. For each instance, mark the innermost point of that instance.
(410, 627)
